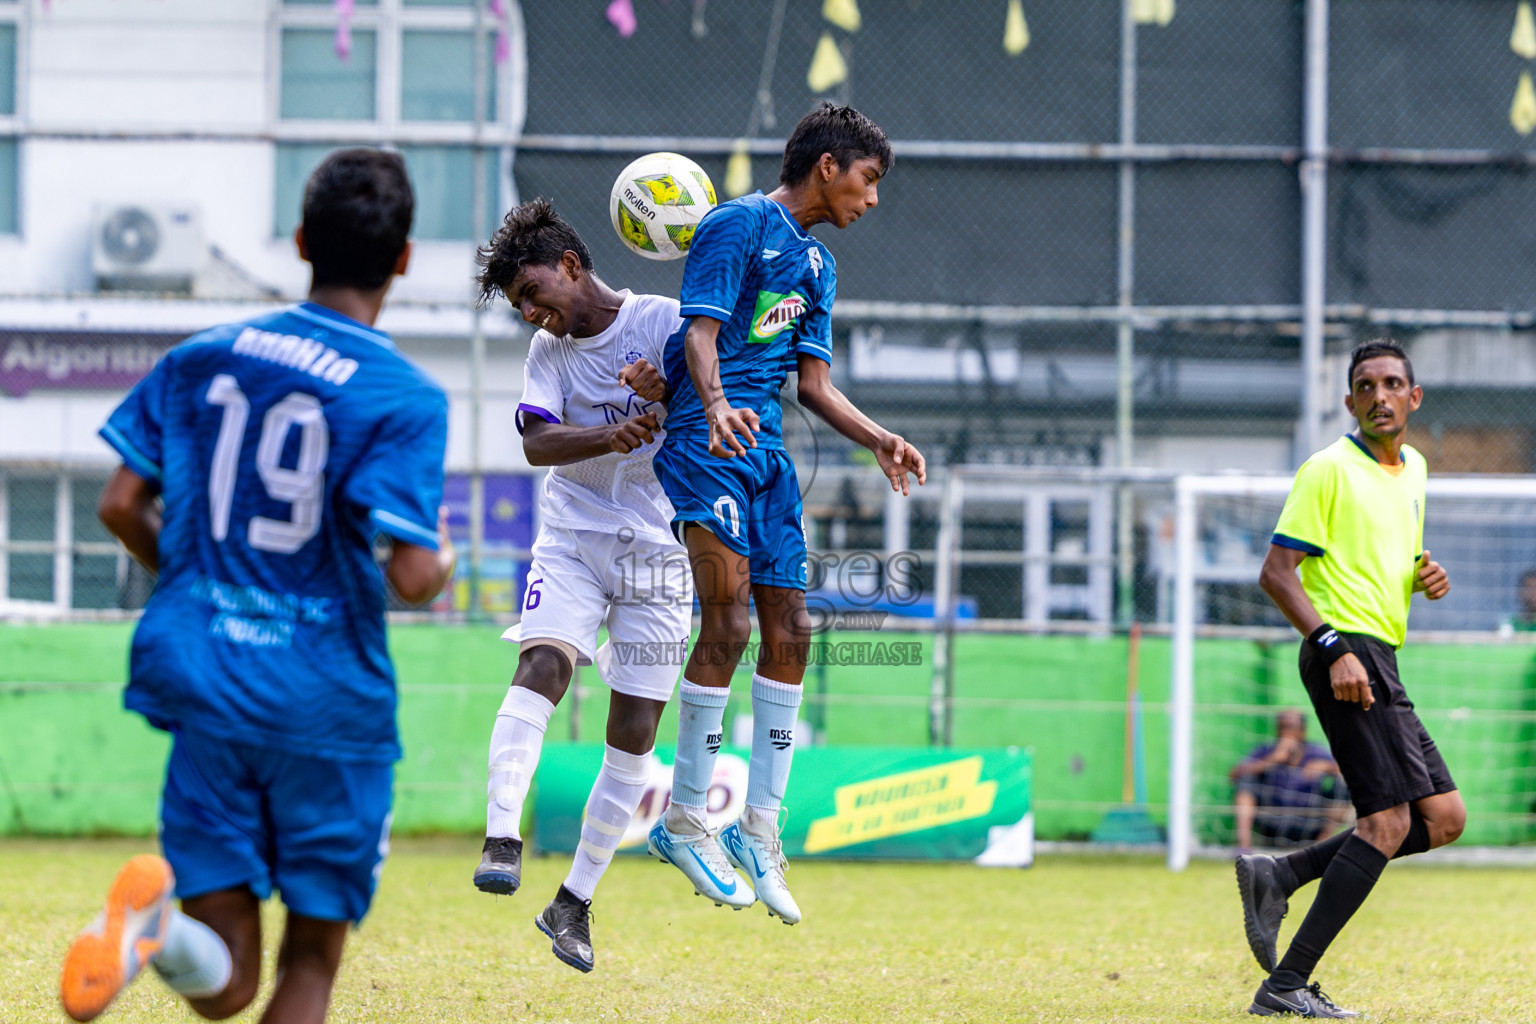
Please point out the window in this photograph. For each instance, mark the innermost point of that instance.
(9, 220)
(408, 83)
(443, 177)
(318, 84)
(54, 550)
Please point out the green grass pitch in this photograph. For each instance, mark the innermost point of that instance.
(1101, 939)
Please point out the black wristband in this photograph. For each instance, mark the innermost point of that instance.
(1328, 644)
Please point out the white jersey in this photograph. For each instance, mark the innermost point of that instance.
(576, 381)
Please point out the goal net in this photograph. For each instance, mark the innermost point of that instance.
(1469, 665)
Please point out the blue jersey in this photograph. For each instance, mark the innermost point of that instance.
(281, 447)
(753, 267)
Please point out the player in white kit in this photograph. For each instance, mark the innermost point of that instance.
(604, 555)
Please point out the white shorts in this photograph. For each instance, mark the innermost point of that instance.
(641, 589)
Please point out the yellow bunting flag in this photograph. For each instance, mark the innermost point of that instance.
(1523, 39)
(1015, 29)
(842, 13)
(738, 171)
(827, 65)
(1152, 12)
(1522, 112)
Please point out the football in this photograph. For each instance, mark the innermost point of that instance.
(657, 203)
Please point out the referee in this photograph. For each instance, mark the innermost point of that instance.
(1354, 527)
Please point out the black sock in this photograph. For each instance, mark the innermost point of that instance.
(1417, 839)
(1308, 864)
(1345, 884)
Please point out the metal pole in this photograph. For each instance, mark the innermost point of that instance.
(477, 334)
(1125, 338)
(1182, 704)
(1314, 225)
(944, 579)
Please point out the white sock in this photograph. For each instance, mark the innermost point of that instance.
(515, 744)
(775, 706)
(700, 731)
(194, 961)
(610, 809)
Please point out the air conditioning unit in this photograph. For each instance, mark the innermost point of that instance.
(146, 247)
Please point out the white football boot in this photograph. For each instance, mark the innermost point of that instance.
(753, 846)
(696, 853)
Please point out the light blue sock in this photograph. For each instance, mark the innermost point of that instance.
(700, 730)
(775, 706)
(194, 961)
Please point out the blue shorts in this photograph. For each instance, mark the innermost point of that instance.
(751, 502)
(237, 816)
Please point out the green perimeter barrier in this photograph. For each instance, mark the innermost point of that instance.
(72, 761)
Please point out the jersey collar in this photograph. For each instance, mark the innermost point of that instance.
(328, 317)
(784, 213)
(1402, 452)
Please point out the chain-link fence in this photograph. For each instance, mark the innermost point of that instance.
(1122, 240)
(1094, 247)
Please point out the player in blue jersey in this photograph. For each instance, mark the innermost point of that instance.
(759, 291)
(260, 460)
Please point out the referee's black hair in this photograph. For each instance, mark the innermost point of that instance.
(358, 207)
(842, 131)
(531, 235)
(1378, 347)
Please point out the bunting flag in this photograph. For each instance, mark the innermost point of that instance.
(1152, 12)
(842, 13)
(621, 13)
(1015, 29)
(344, 9)
(1523, 39)
(1522, 112)
(499, 11)
(738, 171)
(828, 68)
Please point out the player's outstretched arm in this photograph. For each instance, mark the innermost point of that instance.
(896, 456)
(700, 346)
(1279, 580)
(128, 508)
(559, 444)
(418, 573)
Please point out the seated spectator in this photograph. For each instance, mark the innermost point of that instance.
(1288, 791)
(1524, 620)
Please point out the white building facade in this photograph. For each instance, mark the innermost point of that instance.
(152, 159)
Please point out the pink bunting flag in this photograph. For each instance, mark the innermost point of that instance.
(344, 9)
(622, 14)
(499, 11)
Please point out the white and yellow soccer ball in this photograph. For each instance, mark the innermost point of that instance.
(657, 203)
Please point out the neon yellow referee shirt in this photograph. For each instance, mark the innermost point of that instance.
(1362, 524)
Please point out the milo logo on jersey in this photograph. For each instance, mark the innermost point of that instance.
(775, 314)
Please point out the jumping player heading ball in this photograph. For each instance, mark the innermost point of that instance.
(758, 290)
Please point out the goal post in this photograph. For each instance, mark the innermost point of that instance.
(1469, 663)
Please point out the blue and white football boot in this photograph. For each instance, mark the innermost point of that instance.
(696, 853)
(752, 844)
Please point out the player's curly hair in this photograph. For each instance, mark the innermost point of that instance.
(532, 234)
(842, 131)
(1379, 347)
(358, 207)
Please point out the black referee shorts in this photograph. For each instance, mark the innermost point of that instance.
(1385, 754)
